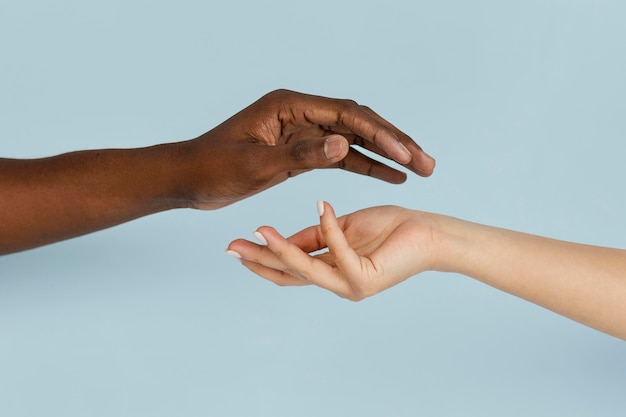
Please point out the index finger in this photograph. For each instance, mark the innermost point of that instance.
(421, 163)
(308, 240)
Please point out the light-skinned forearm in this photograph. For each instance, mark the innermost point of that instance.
(51, 199)
(582, 282)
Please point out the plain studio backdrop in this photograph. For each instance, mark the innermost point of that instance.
(522, 103)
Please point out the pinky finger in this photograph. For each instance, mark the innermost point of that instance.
(280, 278)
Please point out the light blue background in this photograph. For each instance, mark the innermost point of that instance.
(522, 103)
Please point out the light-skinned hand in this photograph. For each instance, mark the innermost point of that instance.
(367, 251)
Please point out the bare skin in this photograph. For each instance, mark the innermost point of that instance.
(376, 248)
(279, 136)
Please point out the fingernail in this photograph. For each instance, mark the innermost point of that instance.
(234, 254)
(333, 147)
(405, 150)
(320, 207)
(430, 157)
(260, 237)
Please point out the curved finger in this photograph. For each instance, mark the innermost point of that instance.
(365, 126)
(304, 109)
(421, 163)
(300, 264)
(376, 141)
(303, 155)
(252, 252)
(347, 260)
(309, 239)
(276, 276)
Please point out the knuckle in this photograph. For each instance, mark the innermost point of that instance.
(304, 274)
(282, 280)
(340, 257)
(278, 94)
(279, 251)
(348, 116)
(347, 102)
(276, 100)
(326, 229)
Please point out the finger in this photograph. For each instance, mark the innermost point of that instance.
(349, 115)
(364, 122)
(350, 119)
(249, 251)
(347, 260)
(364, 165)
(306, 154)
(278, 277)
(354, 160)
(299, 264)
(260, 260)
(421, 163)
(312, 239)
(298, 109)
(309, 240)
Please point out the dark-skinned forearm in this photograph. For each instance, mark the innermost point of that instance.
(56, 198)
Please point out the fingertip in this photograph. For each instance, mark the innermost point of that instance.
(392, 176)
(236, 245)
(399, 179)
(328, 219)
(233, 253)
(329, 209)
(433, 164)
(426, 164)
(344, 256)
(265, 234)
(240, 249)
(260, 237)
(324, 207)
(320, 207)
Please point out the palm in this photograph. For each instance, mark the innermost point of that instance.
(367, 251)
(386, 239)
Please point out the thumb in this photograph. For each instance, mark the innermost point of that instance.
(346, 258)
(313, 153)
